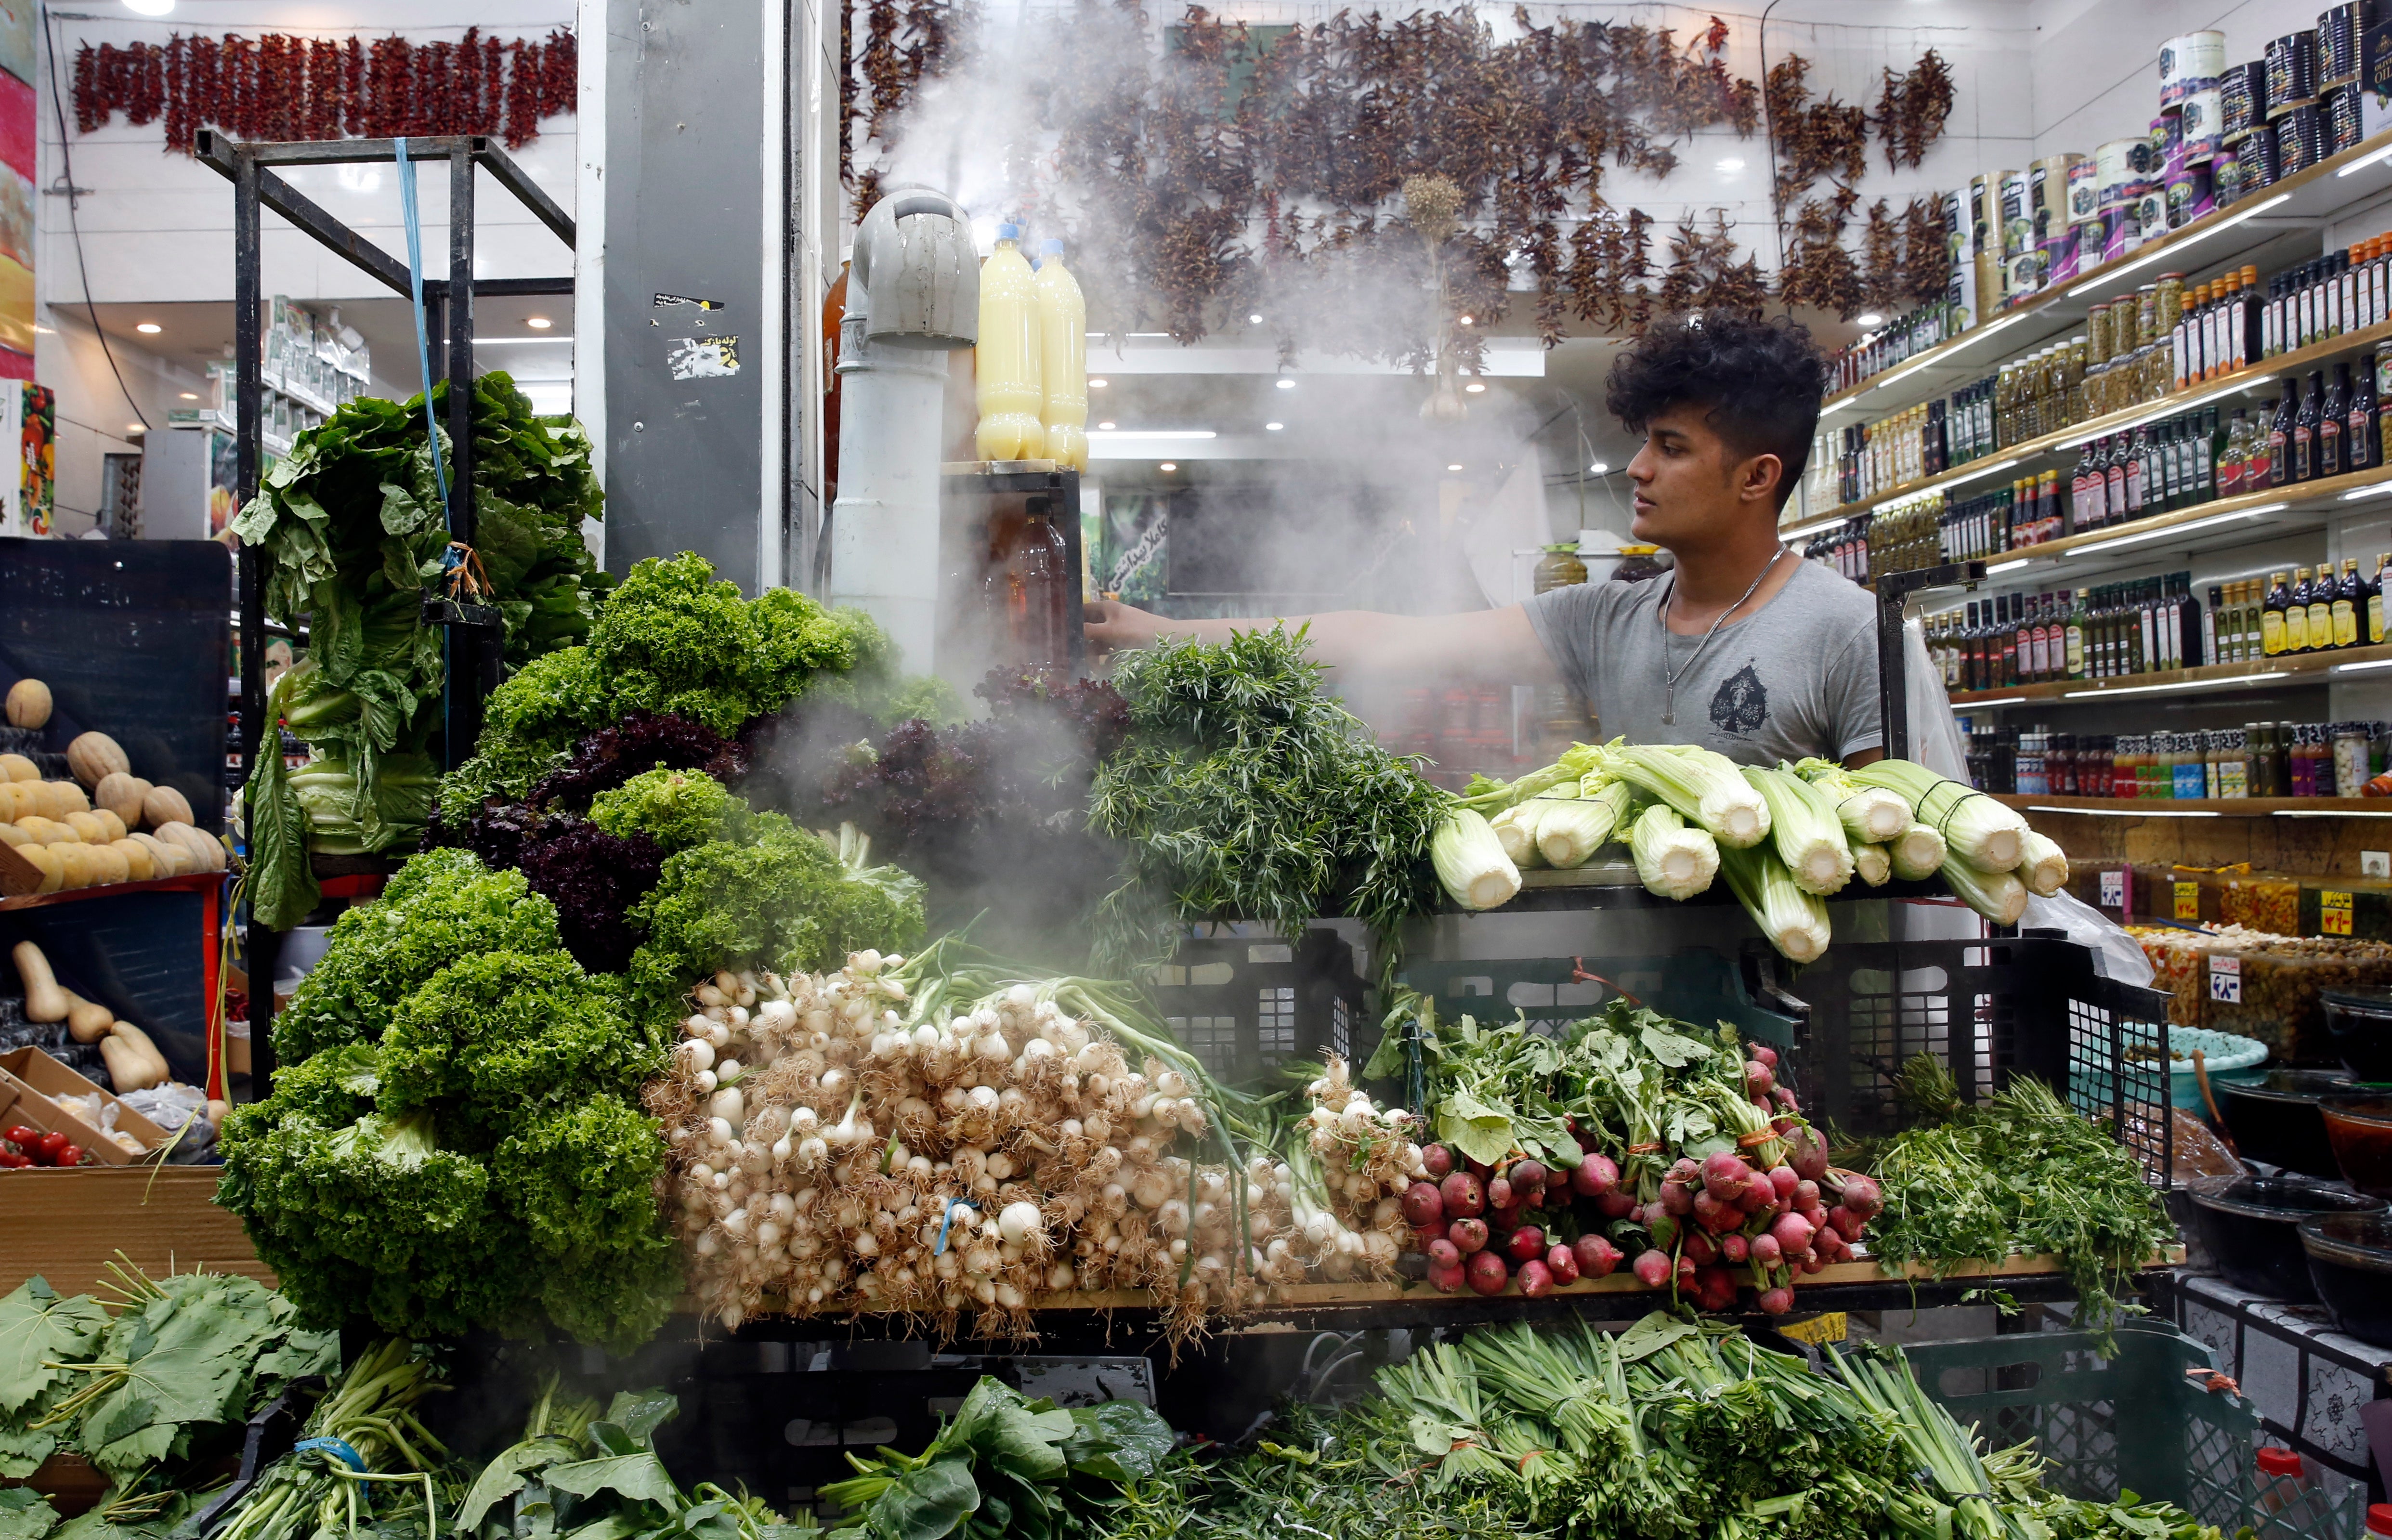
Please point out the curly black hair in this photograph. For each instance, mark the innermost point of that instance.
(1761, 381)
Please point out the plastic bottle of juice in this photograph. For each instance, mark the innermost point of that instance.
(1005, 361)
(1063, 359)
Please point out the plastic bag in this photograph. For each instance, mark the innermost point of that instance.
(2115, 954)
(1935, 739)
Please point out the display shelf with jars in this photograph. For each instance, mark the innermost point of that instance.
(2239, 345)
(2256, 231)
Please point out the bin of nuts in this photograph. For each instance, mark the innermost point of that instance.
(2262, 986)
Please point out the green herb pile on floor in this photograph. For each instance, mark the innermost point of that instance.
(152, 1388)
(1005, 1468)
(2025, 1172)
(1244, 790)
(354, 532)
(1669, 1430)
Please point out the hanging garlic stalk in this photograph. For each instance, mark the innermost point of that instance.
(1432, 204)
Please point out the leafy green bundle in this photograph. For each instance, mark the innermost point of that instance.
(1244, 790)
(153, 1394)
(580, 1471)
(355, 532)
(464, 1149)
(671, 638)
(1005, 1468)
(2022, 1172)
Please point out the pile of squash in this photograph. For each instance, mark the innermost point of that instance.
(106, 825)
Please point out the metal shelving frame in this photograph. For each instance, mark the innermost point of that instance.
(249, 166)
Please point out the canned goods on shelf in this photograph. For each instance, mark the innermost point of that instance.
(2337, 44)
(2300, 139)
(2291, 72)
(2242, 97)
(2189, 63)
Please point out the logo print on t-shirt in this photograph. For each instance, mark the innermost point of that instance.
(1741, 706)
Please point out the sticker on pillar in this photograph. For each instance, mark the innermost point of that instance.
(663, 300)
(703, 357)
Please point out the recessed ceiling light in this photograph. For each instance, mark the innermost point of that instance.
(1254, 321)
(1273, 427)
(1476, 386)
(1871, 318)
(190, 395)
(147, 328)
(1597, 469)
(137, 428)
(1104, 427)
(1732, 162)
(1453, 467)
(1099, 384)
(1286, 385)
(1464, 319)
(539, 323)
(1168, 465)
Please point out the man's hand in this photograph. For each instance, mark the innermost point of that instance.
(1112, 625)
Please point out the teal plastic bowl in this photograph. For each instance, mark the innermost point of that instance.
(2230, 1057)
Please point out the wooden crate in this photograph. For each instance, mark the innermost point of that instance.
(67, 1225)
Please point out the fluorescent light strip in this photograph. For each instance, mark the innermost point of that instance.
(2364, 161)
(2184, 528)
(1900, 375)
(1969, 475)
(2366, 492)
(2004, 700)
(2008, 566)
(489, 341)
(2107, 275)
(1106, 435)
(2361, 668)
(2320, 812)
(2123, 812)
(2180, 684)
(1815, 526)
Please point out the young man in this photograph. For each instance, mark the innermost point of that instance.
(1744, 648)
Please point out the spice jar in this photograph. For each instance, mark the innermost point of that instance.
(1559, 569)
(2349, 758)
(2146, 314)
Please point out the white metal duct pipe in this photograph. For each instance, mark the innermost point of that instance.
(919, 282)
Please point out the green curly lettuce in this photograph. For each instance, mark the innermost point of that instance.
(675, 808)
(441, 906)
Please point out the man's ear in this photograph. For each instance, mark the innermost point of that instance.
(1758, 479)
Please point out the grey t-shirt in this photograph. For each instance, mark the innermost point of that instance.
(1796, 678)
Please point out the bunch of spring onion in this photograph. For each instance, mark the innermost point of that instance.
(931, 1139)
(369, 1414)
(1983, 849)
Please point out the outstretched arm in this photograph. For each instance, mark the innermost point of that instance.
(1478, 647)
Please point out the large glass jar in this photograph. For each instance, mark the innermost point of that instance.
(2349, 758)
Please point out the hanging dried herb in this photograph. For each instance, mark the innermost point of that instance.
(1928, 252)
(1813, 139)
(1818, 270)
(1913, 109)
(1705, 277)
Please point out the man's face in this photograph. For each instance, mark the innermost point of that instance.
(1691, 487)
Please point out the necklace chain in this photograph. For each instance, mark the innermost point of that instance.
(1670, 676)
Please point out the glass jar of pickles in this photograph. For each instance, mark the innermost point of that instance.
(2101, 335)
(2147, 313)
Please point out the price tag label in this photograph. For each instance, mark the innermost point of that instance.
(2333, 913)
(2187, 901)
(1832, 1326)
(2225, 979)
(2114, 889)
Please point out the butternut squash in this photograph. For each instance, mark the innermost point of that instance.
(161, 1071)
(127, 1069)
(28, 704)
(44, 1000)
(93, 757)
(85, 1021)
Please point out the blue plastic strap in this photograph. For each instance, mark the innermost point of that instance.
(336, 1448)
(949, 1218)
(413, 218)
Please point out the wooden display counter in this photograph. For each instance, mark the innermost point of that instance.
(68, 1225)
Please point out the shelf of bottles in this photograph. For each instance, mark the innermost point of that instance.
(1920, 356)
(2260, 768)
(2156, 634)
(2147, 367)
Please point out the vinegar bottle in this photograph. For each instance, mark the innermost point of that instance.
(1063, 359)
(1005, 361)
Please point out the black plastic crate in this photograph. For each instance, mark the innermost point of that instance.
(1697, 984)
(1248, 1004)
(1989, 1010)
